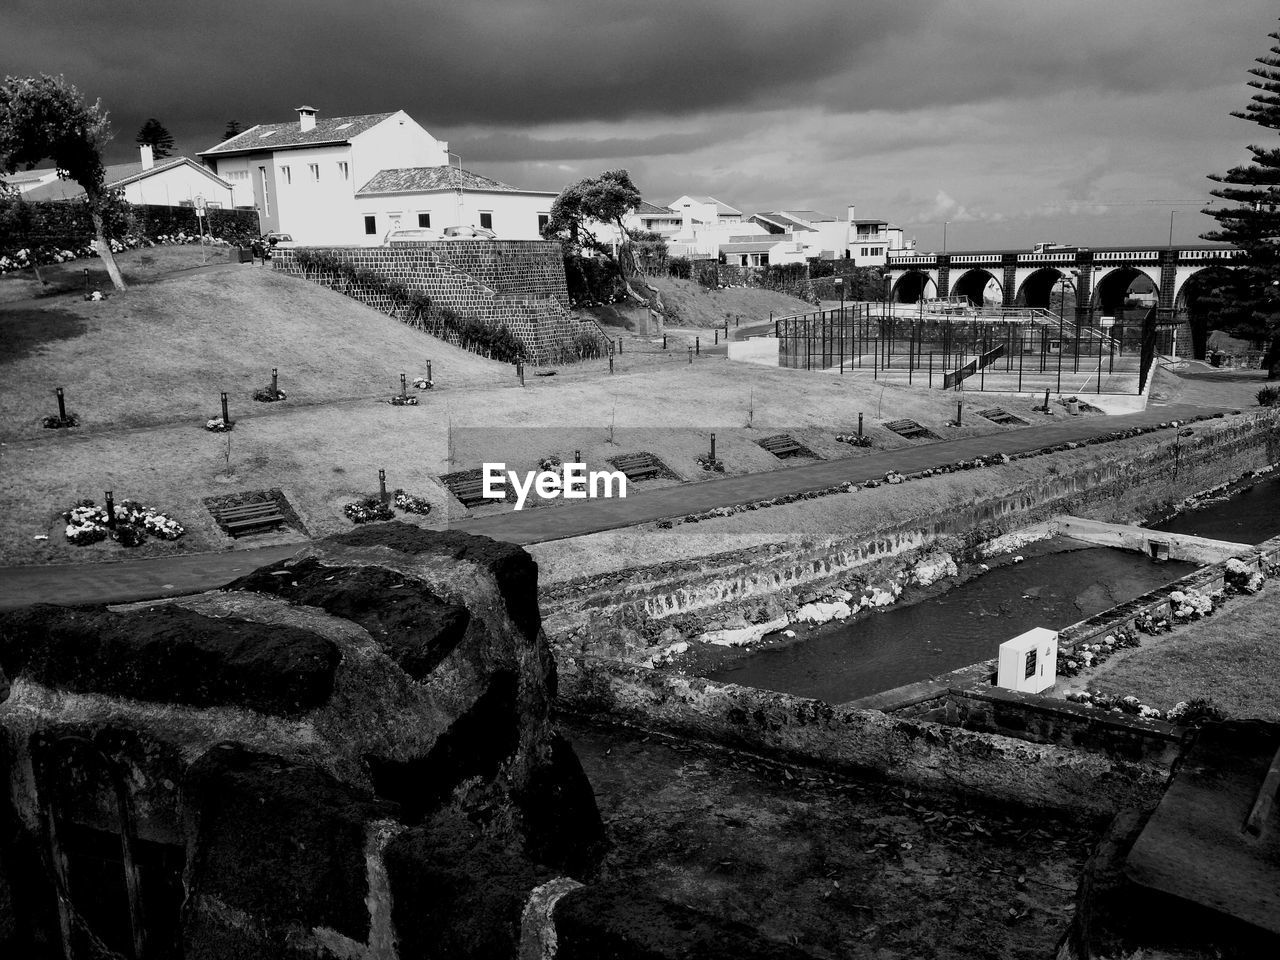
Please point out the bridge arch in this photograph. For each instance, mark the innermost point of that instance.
(974, 284)
(1185, 286)
(1111, 286)
(912, 286)
(1038, 288)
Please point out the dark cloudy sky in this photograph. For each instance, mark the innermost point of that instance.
(1016, 120)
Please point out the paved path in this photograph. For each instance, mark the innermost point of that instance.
(171, 576)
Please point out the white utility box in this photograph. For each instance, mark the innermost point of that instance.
(1029, 662)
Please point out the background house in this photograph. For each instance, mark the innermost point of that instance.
(349, 180)
(439, 197)
(171, 182)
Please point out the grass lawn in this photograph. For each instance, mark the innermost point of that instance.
(1231, 658)
(165, 351)
(690, 304)
(136, 266)
(144, 370)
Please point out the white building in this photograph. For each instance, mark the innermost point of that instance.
(349, 180)
(438, 197)
(171, 182)
(868, 243)
(765, 250)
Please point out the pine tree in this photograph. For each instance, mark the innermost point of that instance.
(233, 130)
(159, 139)
(1252, 300)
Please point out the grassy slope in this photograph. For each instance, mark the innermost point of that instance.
(689, 304)
(137, 266)
(1229, 658)
(225, 328)
(164, 351)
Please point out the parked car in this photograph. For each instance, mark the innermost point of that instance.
(411, 235)
(469, 233)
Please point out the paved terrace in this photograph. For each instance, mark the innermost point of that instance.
(120, 581)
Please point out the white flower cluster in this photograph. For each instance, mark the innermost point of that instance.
(1243, 577)
(422, 383)
(1190, 605)
(217, 425)
(87, 523)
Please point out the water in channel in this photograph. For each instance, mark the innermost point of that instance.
(1059, 583)
(1250, 515)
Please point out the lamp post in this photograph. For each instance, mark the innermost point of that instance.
(1062, 299)
(945, 224)
(839, 282)
(1171, 214)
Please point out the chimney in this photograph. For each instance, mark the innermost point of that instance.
(306, 118)
(148, 156)
(852, 213)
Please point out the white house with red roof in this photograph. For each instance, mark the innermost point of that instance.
(351, 180)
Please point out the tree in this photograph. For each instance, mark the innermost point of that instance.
(45, 118)
(154, 135)
(1253, 222)
(233, 130)
(583, 208)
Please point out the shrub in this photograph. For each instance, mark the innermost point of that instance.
(680, 267)
(367, 510)
(709, 276)
(1269, 396)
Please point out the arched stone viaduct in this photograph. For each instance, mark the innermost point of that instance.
(1100, 276)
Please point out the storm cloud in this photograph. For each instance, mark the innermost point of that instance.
(1025, 117)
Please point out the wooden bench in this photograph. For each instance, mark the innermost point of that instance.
(1001, 416)
(909, 429)
(470, 491)
(781, 446)
(249, 517)
(637, 466)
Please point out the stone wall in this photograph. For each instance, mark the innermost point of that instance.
(347, 754)
(1038, 775)
(630, 614)
(519, 284)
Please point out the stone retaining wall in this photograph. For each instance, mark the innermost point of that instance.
(1044, 776)
(516, 283)
(624, 614)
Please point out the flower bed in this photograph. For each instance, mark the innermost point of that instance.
(371, 508)
(1185, 712)
(60, 423)
(853, 439)
(411, 504)
(422, 383)
(87, 523)
(267, 395)
(711, 464)
(367, 510)
(403, 400)
(218, 425)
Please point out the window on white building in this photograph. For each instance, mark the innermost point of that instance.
(424, 220)
(344, 170)
(266, 192)
(486, 221)
(315, 172)
(286, 174)
(370, 224)
(543, 220)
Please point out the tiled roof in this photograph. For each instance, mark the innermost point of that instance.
(722, 208)
(116, 175)
(758, 244)
(426, 179)
(809, 216)
(275, 136)
(782, 220)
(645, 208)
